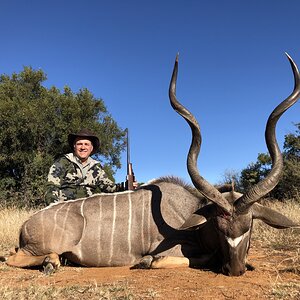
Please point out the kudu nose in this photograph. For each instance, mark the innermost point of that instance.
(236, 271)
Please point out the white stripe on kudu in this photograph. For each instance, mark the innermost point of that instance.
(149, 221)
(143, 223)
(129, 223)
(60, 239)
(99, 231)
(53, 235)
(111, 248)
(83, 229)
(235, 242)
(42, 228)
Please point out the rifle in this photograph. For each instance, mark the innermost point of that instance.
(130, 178)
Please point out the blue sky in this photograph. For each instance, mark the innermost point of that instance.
(232, 71)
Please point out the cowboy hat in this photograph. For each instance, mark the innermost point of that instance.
(85, 134)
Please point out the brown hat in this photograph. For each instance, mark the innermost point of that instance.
(86, 134)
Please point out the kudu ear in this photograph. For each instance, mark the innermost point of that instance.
(272, 217)
(193, 222)
(200, 217)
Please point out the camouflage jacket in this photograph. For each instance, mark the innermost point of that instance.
(69, 179)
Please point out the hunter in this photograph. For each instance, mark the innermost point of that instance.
(77, 174)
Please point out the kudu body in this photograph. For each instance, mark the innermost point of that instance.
(163, 223)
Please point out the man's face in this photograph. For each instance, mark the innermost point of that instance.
(83, 149)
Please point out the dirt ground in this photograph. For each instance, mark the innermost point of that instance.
(265, 282)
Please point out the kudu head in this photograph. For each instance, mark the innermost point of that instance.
(231, 214)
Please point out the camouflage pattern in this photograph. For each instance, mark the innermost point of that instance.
(69, 179)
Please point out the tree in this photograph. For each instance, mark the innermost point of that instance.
(232, 176)
(35, 122)
(292, 143)
(289, 186)
(255, 172)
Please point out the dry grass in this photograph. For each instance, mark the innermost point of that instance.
(11, 220)
(286, 291)
(287, 239)
(91, 291)
(282, 242)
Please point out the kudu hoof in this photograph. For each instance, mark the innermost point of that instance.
(144, 263)
(49, 267)
(3, 259)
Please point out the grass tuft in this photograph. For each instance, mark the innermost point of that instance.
(288, 291)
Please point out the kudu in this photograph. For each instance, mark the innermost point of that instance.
(162, 224)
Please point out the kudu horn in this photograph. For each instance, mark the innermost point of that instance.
(204, 187)
(267, 184)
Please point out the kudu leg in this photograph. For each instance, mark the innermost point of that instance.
(22, 259)
(166, 262)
